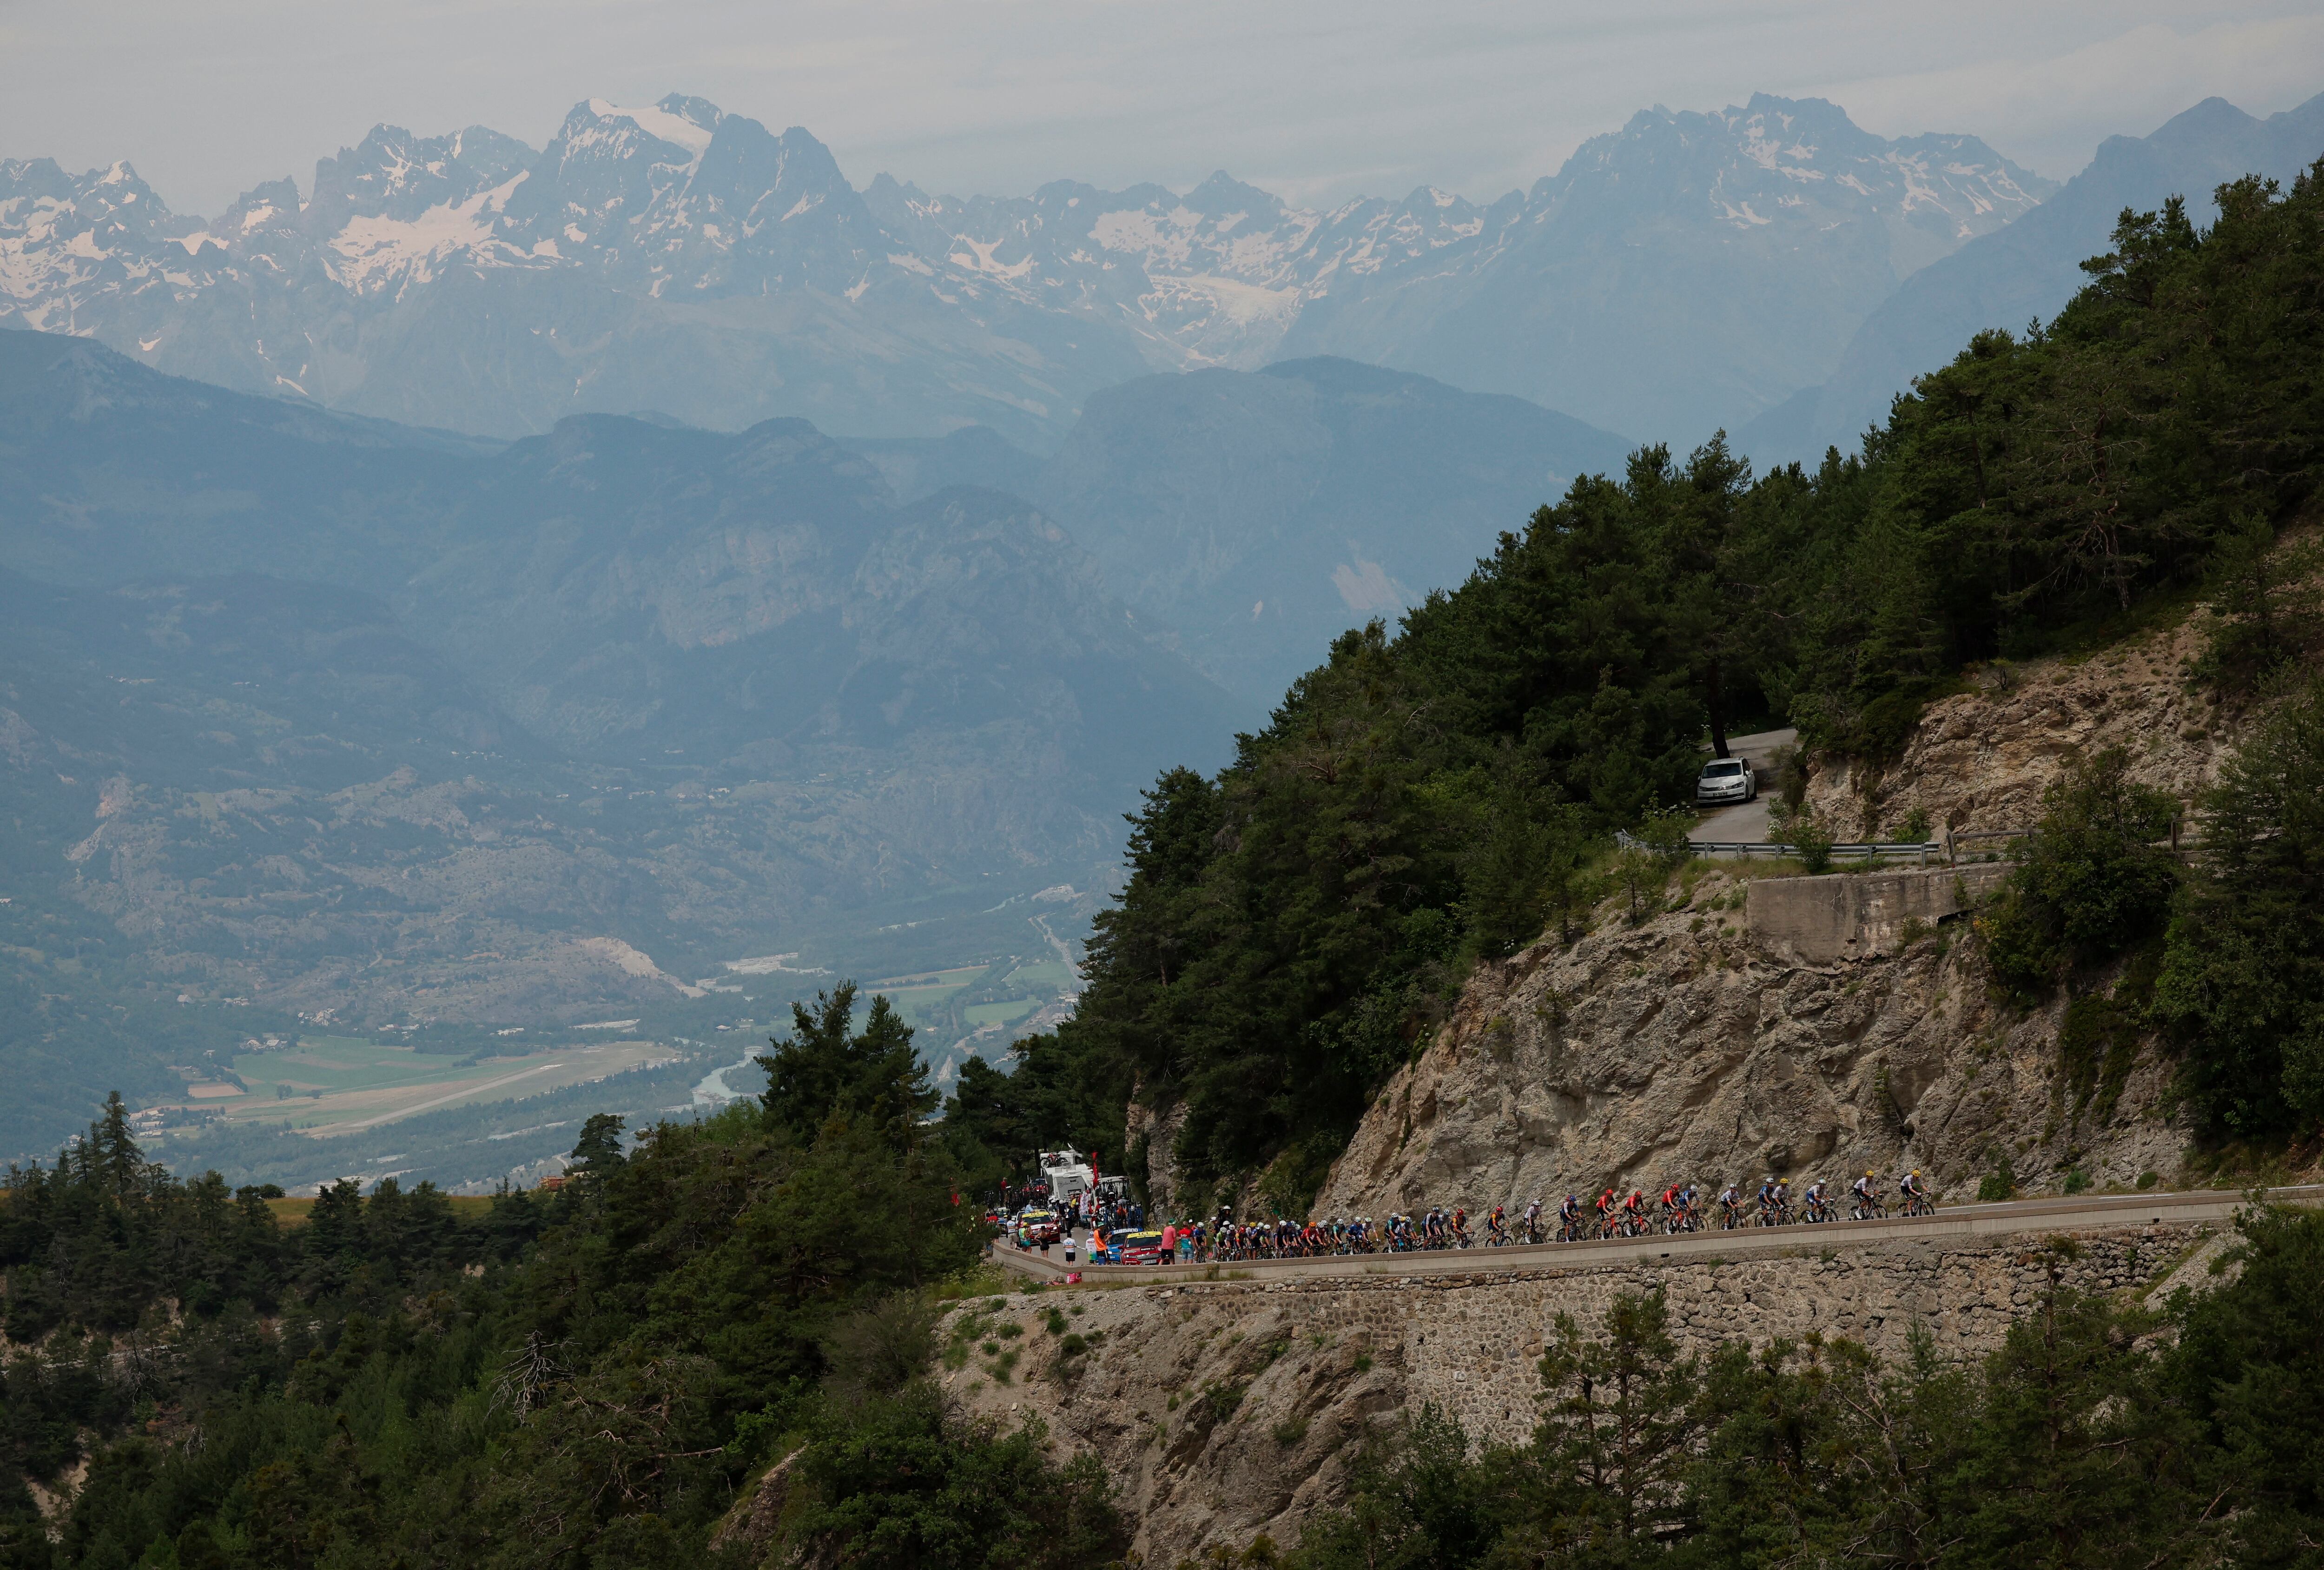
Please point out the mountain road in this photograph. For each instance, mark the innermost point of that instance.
(2078, 1213)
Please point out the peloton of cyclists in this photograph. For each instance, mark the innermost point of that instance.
(1675, 1208)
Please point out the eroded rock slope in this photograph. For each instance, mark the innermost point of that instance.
(1690, 1045)
(1682, 1048)
(1979, 760)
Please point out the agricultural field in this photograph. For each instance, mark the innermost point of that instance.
(946, 1007)
(338, 1085)
(920, 997)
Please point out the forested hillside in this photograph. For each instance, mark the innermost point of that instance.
(1428, 797)
(583, 1378)
(715, 1348)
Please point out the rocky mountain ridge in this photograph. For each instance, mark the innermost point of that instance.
(1261, 514)
(681, 258)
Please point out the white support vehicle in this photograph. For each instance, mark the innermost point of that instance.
(1067, 1175)
(1726, 780)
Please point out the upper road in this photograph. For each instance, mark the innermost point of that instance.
(2079, 1213)
(1747, 822)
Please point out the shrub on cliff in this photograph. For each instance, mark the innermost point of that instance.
(2242, 985)
(2090, 885)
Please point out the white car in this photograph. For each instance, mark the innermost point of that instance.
(1725, 780)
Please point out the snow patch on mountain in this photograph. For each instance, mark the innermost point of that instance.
(659, 123)
(375, 253)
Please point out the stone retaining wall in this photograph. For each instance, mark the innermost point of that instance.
(1853, 915)
(1309, 1364)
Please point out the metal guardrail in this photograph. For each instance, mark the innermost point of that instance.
(1921, 852)
(1724, 847)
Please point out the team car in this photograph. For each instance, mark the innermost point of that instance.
(1135, 1248)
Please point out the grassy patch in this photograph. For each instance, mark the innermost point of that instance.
(295, 1211)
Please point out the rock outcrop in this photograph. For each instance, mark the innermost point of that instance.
(1979, 760)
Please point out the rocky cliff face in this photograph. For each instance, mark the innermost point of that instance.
(1685, 1047)
(1980, 759)
(1709, 1042)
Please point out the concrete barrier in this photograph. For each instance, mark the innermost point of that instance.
(1852, 914)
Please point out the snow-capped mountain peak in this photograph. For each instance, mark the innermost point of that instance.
(681, 207)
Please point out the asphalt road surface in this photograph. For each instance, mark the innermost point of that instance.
(2079, 1213)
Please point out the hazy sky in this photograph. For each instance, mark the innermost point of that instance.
(1316, 99)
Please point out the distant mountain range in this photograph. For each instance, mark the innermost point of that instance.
(322, 711)
(1688, 271)
(2028, 271)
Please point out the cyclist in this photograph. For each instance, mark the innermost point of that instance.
(1605, 1214)
(1496, 1227)
(1569, 1218)
(1814, 1202)
(1533, 1222)
(1460, 1227)
(1673, 1208)
(1731, 1208)
(1783, 1200)
(1916, 1196)
(1634, 1214)
(1866, 1197)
